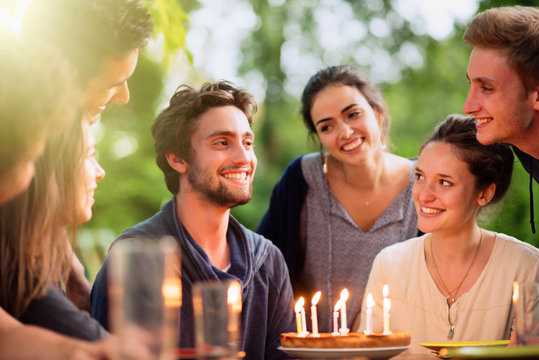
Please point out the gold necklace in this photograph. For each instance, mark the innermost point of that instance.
(450, 297)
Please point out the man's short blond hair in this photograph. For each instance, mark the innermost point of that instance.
(514, 30)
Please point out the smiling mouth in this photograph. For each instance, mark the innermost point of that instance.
(241, 176)
(353, 145)
(430, 211)
(483, 121)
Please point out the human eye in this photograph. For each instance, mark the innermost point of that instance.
(220, 142)
(90, 153)
(249, 143)
(445, 183)
(324, 128)
(486, 87)
(354, 114)
(418, 176)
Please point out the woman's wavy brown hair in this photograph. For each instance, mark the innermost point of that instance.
(34, 241)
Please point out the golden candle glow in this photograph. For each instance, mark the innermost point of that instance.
(234, 295)
(172, 292)
(297, 309)
(314, 315)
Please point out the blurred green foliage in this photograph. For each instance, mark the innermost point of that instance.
(134, 190)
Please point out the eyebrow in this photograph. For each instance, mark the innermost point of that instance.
(342, 112)
(229, 134)
(440, 175)
(480, 79)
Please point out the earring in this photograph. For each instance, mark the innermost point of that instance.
(382, 144)
(325, 165)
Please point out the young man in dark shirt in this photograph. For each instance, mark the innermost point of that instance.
(204, 146)
(503, 71)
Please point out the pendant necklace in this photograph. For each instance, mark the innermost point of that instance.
(451, 295)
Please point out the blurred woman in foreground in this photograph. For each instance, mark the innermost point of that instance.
(37, 96)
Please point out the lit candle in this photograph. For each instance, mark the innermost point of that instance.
(370, 305)
(303, 322)
(387, 308)
(297, 308)
(314, 316)
(172, 291)
(234, 307)
(515, 300)
(336, 317)
(344, 325)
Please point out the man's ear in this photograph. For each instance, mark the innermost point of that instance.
(486, 195)
(176, 162)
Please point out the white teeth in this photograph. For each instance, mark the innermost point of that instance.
(236, 176)
(353, 145)
(430, 210)
(483, 120)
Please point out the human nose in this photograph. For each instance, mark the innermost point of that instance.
(345, 130)
(122, 94)
(471, 105)
(99, 171)
(426, 193)
(242, 154)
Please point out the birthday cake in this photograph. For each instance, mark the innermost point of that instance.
(351, 340)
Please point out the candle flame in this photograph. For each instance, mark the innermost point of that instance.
(387, 304)
(234, 293)
(344, 294)
(299, 304)
(370, 301)
(338, 305)
(316, 297)
(385, 290)
(515, 291)
(172, 292)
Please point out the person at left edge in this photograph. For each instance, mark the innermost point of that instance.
(102, 40)
(204, 146)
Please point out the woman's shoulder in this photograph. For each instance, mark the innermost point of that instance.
(401, 168)
(511, 246)
(311, 167)
(311, 159)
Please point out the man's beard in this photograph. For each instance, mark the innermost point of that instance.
(218, 195)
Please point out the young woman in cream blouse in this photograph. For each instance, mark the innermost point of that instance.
(455, 282)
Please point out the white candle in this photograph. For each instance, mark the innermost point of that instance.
(370, 305)
(336, 318)
(297, 308)
(387, 308)
(314, 316)
(515, 301)
(303, 322)
(344, 325)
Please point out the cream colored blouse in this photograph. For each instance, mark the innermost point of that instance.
(485, 312)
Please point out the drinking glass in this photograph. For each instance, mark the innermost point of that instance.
(526, 298)
(217, 307)
(145, 296)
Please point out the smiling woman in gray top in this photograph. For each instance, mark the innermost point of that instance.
(333, 211)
